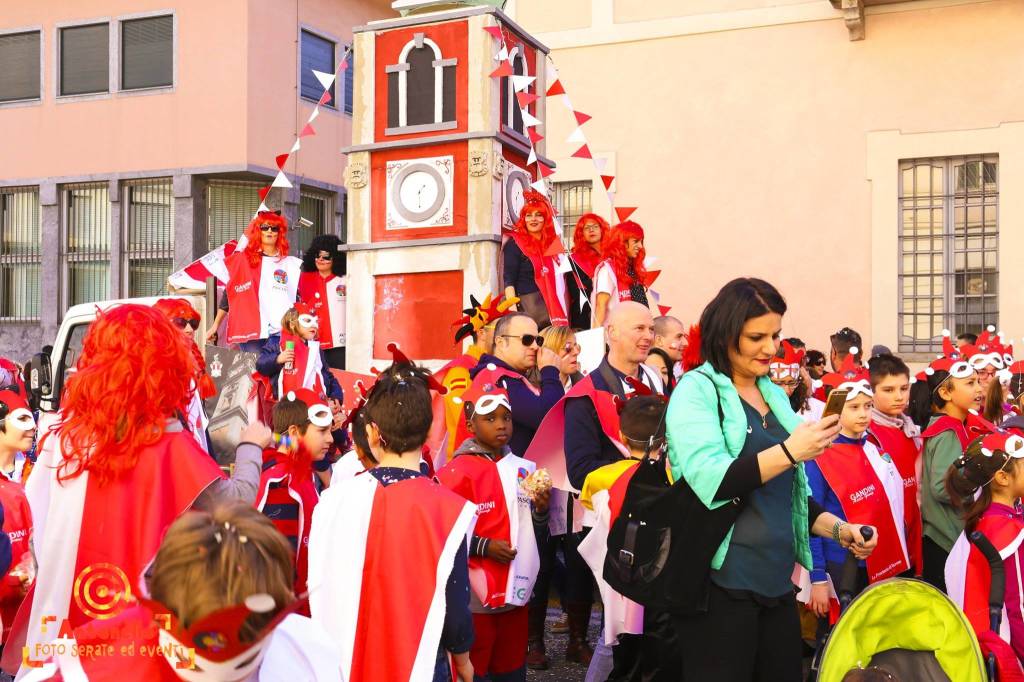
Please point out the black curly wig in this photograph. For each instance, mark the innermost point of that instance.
(328, 243)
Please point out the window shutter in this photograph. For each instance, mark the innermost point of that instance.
(349, 77)
(230, 207)
(84, 59)
(19, 77)
(147, 53)
(316, 53)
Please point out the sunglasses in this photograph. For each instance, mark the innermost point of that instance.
(526, 339)
(181, 323)
(324, 256)
(269, 228)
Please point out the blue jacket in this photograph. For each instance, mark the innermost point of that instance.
(528, 408)
(266, 364)
(825, 550)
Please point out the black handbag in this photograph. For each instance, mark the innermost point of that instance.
(661, 545)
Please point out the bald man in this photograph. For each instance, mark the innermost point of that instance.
(669, 344)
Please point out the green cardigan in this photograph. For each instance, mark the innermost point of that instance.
(701, 453)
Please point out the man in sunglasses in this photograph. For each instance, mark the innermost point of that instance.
(518, 348)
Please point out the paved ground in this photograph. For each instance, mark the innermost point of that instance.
(560, 670)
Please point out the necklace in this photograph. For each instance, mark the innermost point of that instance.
(764, 421)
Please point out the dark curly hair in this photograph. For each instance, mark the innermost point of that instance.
(330, 244)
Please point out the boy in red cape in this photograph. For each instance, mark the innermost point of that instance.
(113, 473)
(503, 557)
(858, 483)
(288, 491)
(388, 564)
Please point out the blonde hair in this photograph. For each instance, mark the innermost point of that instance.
(555, 338)
(211, 560)
(290, 321)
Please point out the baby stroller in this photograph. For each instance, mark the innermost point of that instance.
(908, 626)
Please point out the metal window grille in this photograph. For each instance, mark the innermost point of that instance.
(349, 77)
(949, 248)
(86, 242)
(149, 235)
(572, 200)
(20, 75)
(229, 208)
(318, 209)
(19, 253)
(315, 53)
(147, 53)
(84, 59)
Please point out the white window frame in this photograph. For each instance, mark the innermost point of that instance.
(31, 101)
(117, 60)
(402, 69)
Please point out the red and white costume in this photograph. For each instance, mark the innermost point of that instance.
(379, 560)
(906, 454)
(18, 526)
(326, 297)
(307, 368)
(259, 297)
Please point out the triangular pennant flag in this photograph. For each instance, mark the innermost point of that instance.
(504, 70)
(544, 170)
(526, 98)
(529, 120)
(520, 83)
(264, 207)
(582, 118)
(281, 180)
(611, 198)
(308, 130)
(583, 153)
(535, 137)
(624, 212)
(280, 160)
(326, 79)
(663, 309)
(554, 248)
(295, 147)
(600, 163)
(583, 299)
(494, 31)
(607, 180)
(502, 54)
(539, 186)
(312, 116)
(325, 98)
(567, 102)
(533, 157)
(263, 192)
(556, 89)
(577, 136)
(650, 276)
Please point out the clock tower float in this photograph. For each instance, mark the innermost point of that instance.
(436, 170)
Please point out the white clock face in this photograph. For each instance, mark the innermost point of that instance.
(515, 187)
(419, 191)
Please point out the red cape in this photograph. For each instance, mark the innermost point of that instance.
(905, 455)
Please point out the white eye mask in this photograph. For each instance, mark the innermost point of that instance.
(21, 419)
(233, 670)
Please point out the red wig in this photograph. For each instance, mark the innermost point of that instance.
(134, 373)
(535, 201)
(253, 245)
(582, 251)
(175, 308)
(614, 247)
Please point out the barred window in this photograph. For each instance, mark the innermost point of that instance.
(87, 242)
(84, 59)
(20, 76)
(147, 53)
(349, 76)
(319, 210)
(572, 200)
(149, 229)
(230, 205)
(949, 248)
(315, 53)
(19, 253)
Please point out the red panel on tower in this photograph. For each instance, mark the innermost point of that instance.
(405, 305)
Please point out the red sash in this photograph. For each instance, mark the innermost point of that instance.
(547, 448)
(947, 423)
(905, 456)
(487, 484)
(545, 270)
(302, 374)
(295, 479)
(864, 501)
(244, 322)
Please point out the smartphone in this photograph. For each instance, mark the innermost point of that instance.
(835, 404)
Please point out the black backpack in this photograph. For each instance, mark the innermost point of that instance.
(661, 545)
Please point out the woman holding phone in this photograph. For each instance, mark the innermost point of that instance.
(732, 434)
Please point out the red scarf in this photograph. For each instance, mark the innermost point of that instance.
(587, 258)
(865, 501)
(544, 274)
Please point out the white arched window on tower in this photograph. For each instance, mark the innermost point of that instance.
(511, 114)
(421, 89)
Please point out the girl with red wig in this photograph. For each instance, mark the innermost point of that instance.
(263, 281)
(531, 263)
(116, 469)
(591, 229)
(622, 275)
